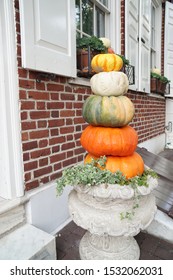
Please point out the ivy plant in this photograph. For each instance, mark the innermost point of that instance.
(160, 77)
(91, 174)
(93, 42)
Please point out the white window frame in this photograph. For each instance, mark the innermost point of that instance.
(113, 32)
(112, 22)
(158, 27)
(12, 183)
(139, 85)
(104, 9)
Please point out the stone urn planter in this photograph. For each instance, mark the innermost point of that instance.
(112, 215)
(112, 191)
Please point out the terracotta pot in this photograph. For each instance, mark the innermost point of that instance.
(84, 62)
(157, 86)
(162, 87)
(82, 59)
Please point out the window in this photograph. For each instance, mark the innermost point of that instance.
(153, 36)
(92, 18)
(155, 53)
(100, 18)
(143, 39)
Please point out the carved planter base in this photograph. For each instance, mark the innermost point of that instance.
(100, 210)
(94, 247)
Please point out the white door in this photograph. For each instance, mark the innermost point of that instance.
(168, 50)
(137, 41)
(132, 37)
(48, 36)
(11, 173)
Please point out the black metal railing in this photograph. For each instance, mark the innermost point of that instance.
(129, 70)
(160, 87)
(84, 69)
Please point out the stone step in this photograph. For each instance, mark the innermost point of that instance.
(28, 243)
(12, 215)
(161, 227)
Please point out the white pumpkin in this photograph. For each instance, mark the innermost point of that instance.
(106, 42)
(156, 71)
(109, 83)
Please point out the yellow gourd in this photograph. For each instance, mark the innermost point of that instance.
(106, 62)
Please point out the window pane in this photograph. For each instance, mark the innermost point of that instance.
(78, 14)
(153, 59)
(104, 2)
(153, 35)
(153, 16)
(77, 35)
(100, 23)
(146, 9)
(87, 17)
(153, 27)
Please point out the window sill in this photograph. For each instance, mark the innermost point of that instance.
(79, 81)
(86, 82)
(156, 95)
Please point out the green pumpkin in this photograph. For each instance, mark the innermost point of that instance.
(108, 111)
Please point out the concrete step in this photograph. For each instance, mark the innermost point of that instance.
(28, 243)
(12, 215)
(161, 227)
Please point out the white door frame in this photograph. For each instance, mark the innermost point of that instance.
(11, 167)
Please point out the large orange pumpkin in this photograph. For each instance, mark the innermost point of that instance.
(130, 166)
(100, 141)
(106, 62)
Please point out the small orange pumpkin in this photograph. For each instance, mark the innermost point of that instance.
(106, 62)
(110, 50)
(100, 141)
(130, 166)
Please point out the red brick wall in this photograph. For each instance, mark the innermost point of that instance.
(149, 119)
(51, 126)
(162, 38)
(123, 27)
(51, 121)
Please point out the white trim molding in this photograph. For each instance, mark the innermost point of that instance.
(11, 167)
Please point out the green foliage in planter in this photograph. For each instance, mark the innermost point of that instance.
(125, 60)
(94, 42)
(160, 77)
(90, 174)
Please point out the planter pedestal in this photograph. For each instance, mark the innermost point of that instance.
(100, 209)
(106, 247)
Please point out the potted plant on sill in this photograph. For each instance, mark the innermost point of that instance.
(159, 82)
(87, 47)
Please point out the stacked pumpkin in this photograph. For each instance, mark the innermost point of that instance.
(108, 113)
